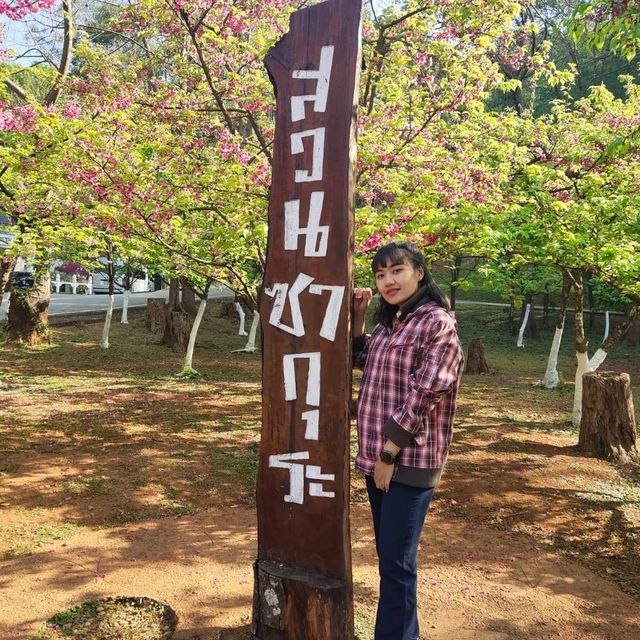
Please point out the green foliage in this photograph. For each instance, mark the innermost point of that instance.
(611, 24)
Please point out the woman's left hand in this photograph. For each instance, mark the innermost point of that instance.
(382, 474)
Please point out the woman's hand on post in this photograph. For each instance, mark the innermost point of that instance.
(361, 300)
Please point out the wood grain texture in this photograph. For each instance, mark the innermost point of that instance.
(608, 425)
(309, 534)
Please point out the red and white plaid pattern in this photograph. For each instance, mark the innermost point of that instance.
(411, 375)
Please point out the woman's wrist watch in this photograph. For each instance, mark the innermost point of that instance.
(387, 457)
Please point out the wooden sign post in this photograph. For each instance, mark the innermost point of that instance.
(303, 586)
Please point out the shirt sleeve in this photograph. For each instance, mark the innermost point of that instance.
(437, 371)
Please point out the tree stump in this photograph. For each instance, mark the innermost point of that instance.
(608, 425)
(156, 314)
(181, 323)
(476, 362)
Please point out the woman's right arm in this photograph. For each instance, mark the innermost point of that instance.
(361, 301)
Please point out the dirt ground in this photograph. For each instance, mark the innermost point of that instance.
(476, 583)
(110, 487)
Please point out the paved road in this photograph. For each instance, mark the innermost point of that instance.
(67, 303)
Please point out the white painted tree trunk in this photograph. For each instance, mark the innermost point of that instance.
(598, 358)
(243, 316)
(606, 326)
(551, 379)
(4, 308)
(125, 307)
(250, 347)
(583, 367)
(520, 342)
(452, 313)
(104, 343)
(188, 369)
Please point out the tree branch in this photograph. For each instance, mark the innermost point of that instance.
(65, 58)
(15, 89)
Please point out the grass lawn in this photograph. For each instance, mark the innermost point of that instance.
(92, 440)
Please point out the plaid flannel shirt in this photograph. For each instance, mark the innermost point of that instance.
(408, 392)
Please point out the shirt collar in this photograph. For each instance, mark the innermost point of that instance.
(420, 297)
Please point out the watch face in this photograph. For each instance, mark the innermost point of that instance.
(387, 457)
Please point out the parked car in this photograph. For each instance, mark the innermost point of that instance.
(21, 280)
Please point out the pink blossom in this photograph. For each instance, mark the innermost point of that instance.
(373, 242)
(18, 9)
(71, 110)
(18, 119)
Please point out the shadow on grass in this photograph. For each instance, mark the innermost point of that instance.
(564, 500)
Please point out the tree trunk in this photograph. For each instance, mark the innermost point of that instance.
(243, 316)
(111, 272)
(589, 291)
(633, 336)
(106, 328)
(582, 346)
(156, 314)
(512, 314)
(545, 312)
(188, 299)
(476, 361)
(188, 369)
(28, 321)
(608, 426)
(531, 327)
(455, 276)
(551, 379)
(523, 325)
(181, 321)
(7, 264)
(250, 347)
(125, 307)
(172, 306)
(612, 340)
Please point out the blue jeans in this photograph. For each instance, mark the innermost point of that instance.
(398, 517)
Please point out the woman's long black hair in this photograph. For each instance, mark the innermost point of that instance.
(400, 253)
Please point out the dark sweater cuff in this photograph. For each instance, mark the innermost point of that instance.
(359, 343)
(394, 432)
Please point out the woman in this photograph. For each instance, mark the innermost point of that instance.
(412, 365)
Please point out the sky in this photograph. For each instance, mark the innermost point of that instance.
(14, 34)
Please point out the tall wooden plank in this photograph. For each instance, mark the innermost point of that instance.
(303, 572)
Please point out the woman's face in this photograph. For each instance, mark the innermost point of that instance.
(396, 283)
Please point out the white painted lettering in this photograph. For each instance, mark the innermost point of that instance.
(296, 474)
(279, 292)
(318, 154)
(313, 379)
(312, 418)
(317, 488)
(323, 77)
(332, 314)
(316, 236)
